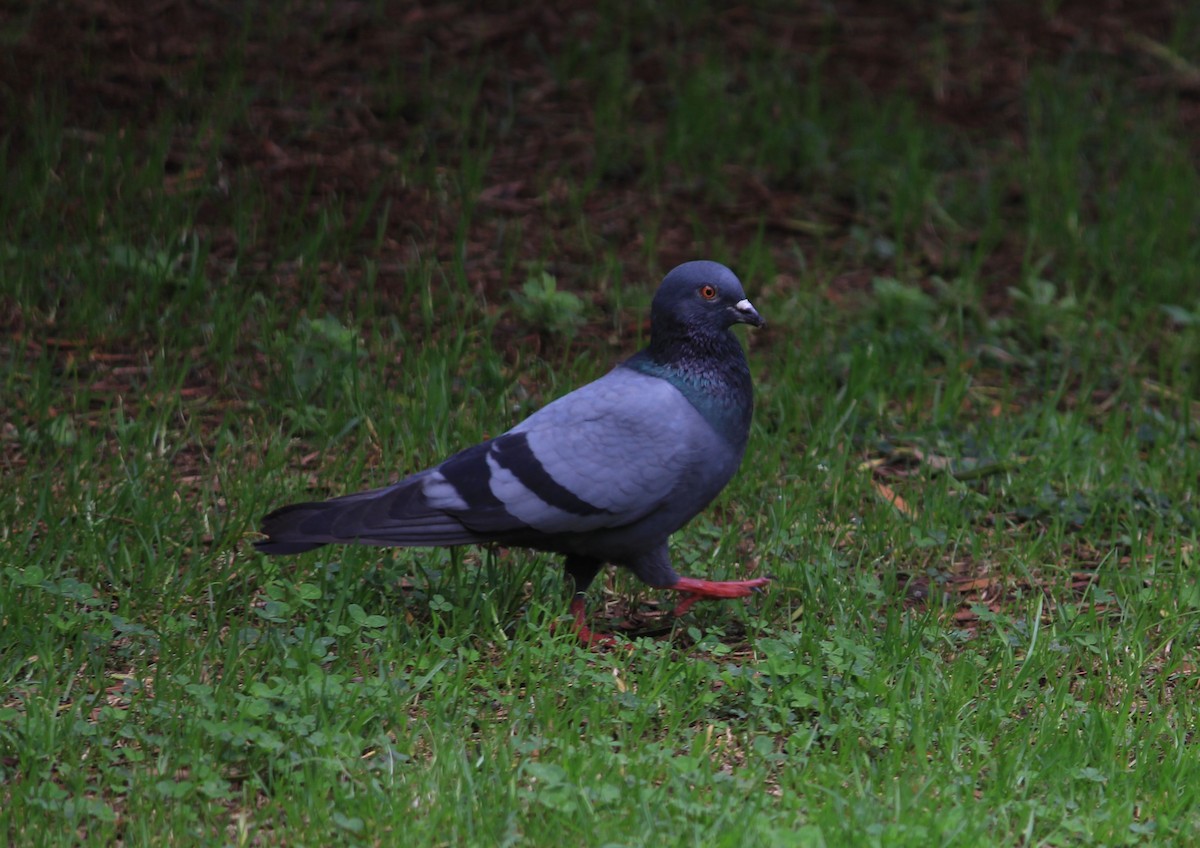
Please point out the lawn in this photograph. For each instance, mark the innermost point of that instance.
(252, 257)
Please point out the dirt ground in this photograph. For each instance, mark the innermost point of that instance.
(122, 64)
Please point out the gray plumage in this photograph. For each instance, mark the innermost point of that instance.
(603, 474)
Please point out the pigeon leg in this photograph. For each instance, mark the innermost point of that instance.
(582, 632)
(695, 590)
(582, 571)
(654, 569)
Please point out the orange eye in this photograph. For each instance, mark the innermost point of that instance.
(708, 292)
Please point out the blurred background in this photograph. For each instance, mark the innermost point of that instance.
(314, 151)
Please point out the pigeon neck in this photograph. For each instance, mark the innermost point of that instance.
(710, 371)
(680, 347)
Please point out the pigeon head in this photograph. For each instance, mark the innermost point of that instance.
(700, 298)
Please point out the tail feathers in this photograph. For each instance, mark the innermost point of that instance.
(269, 546)
(397, 515)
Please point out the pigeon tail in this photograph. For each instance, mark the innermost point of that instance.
(394, 516)
(275, 548)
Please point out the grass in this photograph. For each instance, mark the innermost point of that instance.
(972, 470)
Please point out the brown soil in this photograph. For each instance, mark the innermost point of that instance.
(316, 127)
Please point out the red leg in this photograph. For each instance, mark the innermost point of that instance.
(578, 611)
(695, 590)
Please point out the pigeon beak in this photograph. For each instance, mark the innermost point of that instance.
(745, 313)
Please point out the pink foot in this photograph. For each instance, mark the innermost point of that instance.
(697, 590)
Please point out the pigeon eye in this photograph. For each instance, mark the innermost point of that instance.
(708, 292)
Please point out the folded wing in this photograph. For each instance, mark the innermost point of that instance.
(604, 456)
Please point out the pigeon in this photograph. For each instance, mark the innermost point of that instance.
(604, 474)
